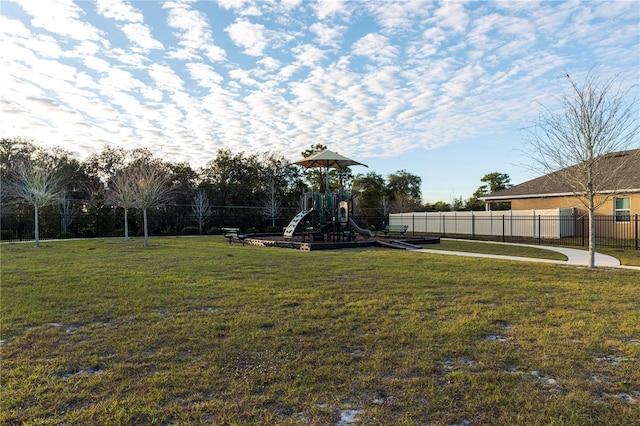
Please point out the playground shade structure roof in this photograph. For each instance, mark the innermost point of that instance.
(328, 160)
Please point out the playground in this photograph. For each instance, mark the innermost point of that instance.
(326, 220)
(326, 223)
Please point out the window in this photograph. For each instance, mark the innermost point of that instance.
(622, 209)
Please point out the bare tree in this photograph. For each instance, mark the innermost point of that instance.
(36, 181)
(272, 208)
(68, 212)
(574, 146)
(151, 188)
(201, 208)
(121, 192)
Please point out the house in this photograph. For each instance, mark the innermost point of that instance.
(551, 191)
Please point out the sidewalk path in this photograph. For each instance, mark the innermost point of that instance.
(575, 257)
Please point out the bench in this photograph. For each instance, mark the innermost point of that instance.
(395, 229)
(233, 234)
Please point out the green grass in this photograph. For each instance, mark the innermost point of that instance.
(627, 257)
(498, 249)
(194, 330)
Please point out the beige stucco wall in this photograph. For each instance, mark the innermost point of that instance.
(545, 203)
(569, 202)
(605, 229)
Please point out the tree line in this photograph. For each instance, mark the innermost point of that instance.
(35, 180)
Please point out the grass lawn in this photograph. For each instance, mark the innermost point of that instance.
(194, 330)
(626, 257)
(498, 249)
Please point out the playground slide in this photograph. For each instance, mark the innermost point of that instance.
(290, 229)
(362, 231)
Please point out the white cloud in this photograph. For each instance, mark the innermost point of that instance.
(248, 35)
(61, 17)
(166, 78)
(327, 35)
(233, 4)
(378, 77)
(309, 55)
(452, 15)
(204, 75)
(269, 63)
(141, 35)
(193, 31)
(97, 64)
(119, 10)
(13, 27)
(376, 47)
(393, 16)
(330, 8)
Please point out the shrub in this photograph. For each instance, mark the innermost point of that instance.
(67, 235)
(87, 232)
(169, 232)
(214, 231)
(252, 230)
(190, 230)
(7, 234)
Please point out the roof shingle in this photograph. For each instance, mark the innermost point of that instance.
(550, 185)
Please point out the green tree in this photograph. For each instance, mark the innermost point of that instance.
(369, 193)
(315, 176)
(442, 206)
(234, 178)
(404, 191)
(281, 185)
(493, 182)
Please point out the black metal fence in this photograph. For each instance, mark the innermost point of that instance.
(611, 231)
(21, 227)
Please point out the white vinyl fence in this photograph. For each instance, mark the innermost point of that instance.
(550, 223)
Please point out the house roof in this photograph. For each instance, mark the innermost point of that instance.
(553, 185)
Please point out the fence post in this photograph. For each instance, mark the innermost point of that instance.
(444, 233)
(539, 229)
(426, 223)
(413, 224)
(503, 230)
(20, 226)
(473, 226)
(636, 231)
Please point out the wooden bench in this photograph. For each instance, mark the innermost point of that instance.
(395, 229)
(233, 234)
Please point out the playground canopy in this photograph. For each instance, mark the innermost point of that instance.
(328, 160)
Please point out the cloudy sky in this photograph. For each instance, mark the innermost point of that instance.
(440, 89)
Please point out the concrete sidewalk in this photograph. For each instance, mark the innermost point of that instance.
(575, 257)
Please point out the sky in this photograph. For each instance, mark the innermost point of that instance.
(441, 89)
